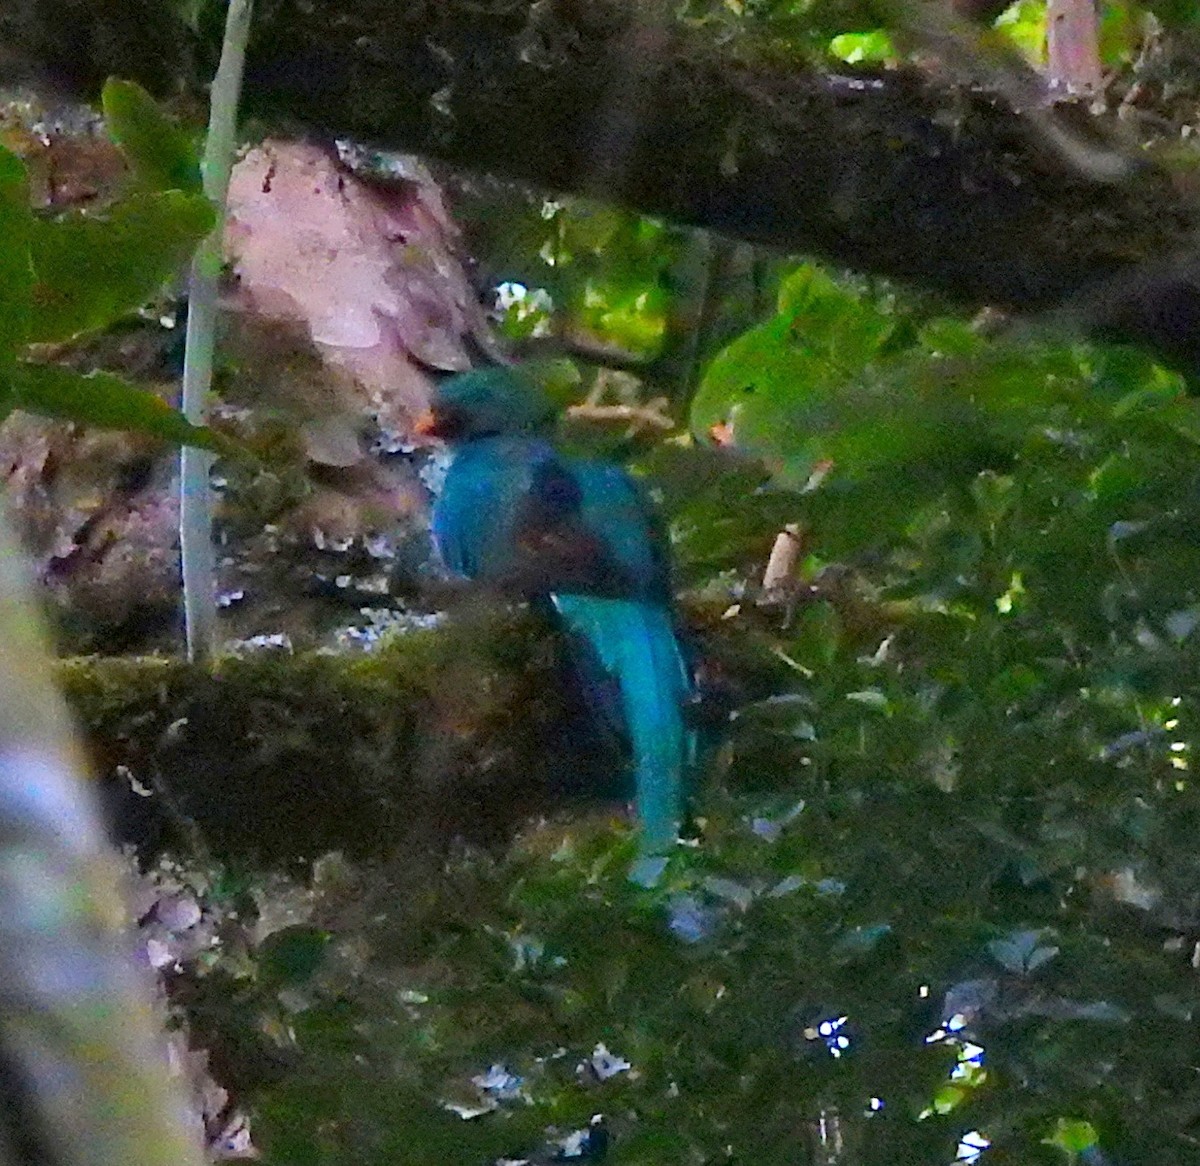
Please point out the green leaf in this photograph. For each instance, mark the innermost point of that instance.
(1024, 24)
(1073, 1136)
(292, 955)
(161, 153)
(16, 275)
(91, 270)
(861, 47)
(946, 336)
(1177, 13)
(107, 401)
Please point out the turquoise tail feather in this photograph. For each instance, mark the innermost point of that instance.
(635, 644)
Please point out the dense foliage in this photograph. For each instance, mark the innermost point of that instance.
(941, 892)
(959, 821)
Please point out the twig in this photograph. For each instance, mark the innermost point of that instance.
(652, 415)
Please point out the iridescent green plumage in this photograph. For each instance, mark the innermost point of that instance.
(517, 514)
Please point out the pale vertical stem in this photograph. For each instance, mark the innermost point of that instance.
(195, 502)
(1073, 47)
(834, 1140)
(826, 1141)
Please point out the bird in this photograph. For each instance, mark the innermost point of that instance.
(580, 537)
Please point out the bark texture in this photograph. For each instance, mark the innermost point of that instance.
(942, 186)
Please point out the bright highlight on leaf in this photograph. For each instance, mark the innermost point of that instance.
(857, 48)
(1074, 1137)
(1024, 26)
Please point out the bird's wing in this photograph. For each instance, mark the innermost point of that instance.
(617, 509)
(517, 515)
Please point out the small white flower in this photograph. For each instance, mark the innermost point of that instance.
(499, 1083)
(606, 1064)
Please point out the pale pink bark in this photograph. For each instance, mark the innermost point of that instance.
(1073, 46)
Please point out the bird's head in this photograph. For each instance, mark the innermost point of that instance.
(483, 403)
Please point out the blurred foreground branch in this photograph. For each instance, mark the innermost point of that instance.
(83, 1071)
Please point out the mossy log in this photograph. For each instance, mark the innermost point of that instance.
(273, 758)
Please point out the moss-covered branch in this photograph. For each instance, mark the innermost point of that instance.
(273, 757)
(886, 173)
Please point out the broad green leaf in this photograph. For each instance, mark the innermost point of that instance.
(108, 401)
(1024, 24)
(1120, 32)
(806, 286)
(844, 328)
(862, 47)
(90, 269)
(16, 275)
(162, 155)
(946, 336)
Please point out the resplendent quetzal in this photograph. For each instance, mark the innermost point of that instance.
(519, 516)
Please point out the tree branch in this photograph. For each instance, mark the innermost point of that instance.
(889, 173)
